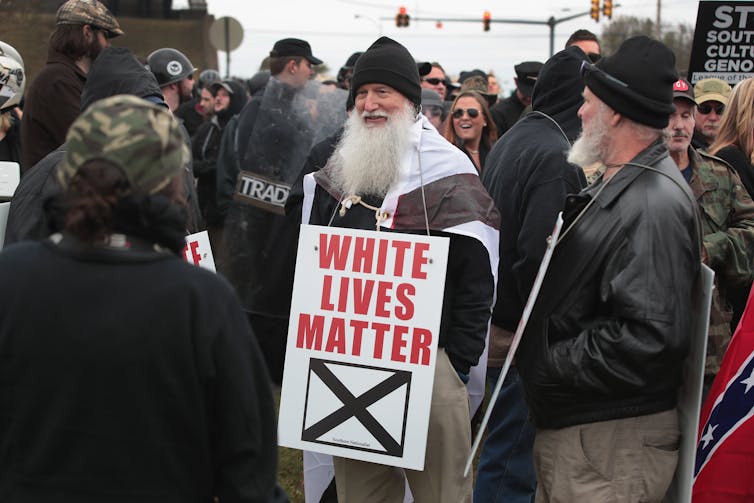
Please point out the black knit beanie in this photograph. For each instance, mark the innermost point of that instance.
(637, 81)
(388, 62)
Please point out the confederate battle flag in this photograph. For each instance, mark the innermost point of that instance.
(724, 468)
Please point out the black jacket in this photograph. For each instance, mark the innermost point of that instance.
(610, 329)
(115, 71)
(205, 148)
(142, 381)
(528, 177)
(506, 112)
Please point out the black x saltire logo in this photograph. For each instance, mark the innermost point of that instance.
(356, 406)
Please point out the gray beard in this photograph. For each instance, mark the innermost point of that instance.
(367, 160)
(589, 147)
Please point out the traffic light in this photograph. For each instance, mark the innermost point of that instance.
(486, 20)
(402, 18)
(595, 14)
(607, 8)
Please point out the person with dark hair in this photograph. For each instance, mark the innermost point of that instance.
(83, 28)
(436, 80)
(506, 112)
(230, 98)
(587, 42)
(471, 127)
(267, 148)
(143, 363)
(193, 112)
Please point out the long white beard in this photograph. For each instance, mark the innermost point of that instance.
(589, 147)
(367, 160)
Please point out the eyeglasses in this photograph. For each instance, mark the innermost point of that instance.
(707, 107)
(434, 81)
(458, 113)
(433, 110)
(589, 68)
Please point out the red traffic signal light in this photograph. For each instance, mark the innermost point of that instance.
(402, 18)
(595, 11)
(607, 8)
(486, 20)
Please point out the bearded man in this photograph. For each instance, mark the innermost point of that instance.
(83, 29)
(602, 355)
(391, 170)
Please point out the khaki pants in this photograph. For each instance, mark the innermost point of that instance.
(623, 460)
(448, 447)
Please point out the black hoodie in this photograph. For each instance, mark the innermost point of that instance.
(115, 71)
(205, 147)
(528, 177)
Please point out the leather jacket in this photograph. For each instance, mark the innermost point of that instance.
(610, 329)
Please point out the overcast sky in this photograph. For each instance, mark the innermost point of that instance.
(337, 28)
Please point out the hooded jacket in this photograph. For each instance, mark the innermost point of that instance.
(528, 177)
(115, 71)
(205, 147)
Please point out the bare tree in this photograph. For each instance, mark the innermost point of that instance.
(679, 37)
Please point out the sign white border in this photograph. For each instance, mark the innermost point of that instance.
(378, 383)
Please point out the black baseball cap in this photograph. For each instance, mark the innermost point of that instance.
(294, 47)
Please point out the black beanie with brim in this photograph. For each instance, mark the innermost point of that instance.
(388, 62)
(637, 81)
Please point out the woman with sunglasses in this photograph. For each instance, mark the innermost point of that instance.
(471, 127)
(735, 145)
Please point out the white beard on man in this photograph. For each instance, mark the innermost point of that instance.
(367, 159)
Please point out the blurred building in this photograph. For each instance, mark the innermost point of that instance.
(149, 25)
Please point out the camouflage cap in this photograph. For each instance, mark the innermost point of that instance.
(89, 12)
(142, 139)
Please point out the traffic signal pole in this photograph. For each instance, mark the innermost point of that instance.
(552, 22)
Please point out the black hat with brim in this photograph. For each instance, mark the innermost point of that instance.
(294, 47)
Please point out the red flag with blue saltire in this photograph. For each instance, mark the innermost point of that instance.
(724, 467)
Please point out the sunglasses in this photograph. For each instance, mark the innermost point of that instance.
(433, 110)
(706, 108)
(434, 81)
(588, 68)
(458, 113)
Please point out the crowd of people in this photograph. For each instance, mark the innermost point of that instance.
(128, 375)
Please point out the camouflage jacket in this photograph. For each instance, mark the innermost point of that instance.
(727, 215)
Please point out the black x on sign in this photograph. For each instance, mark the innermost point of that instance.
(390, 392)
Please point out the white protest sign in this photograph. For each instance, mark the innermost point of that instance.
(362, 344)
(198, 251)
